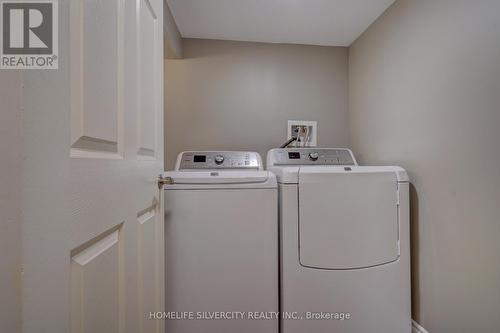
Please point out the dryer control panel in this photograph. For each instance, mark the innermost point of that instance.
(202, 160)
(311, 156)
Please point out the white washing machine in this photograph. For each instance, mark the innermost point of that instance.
(221, 243)
(344, 243)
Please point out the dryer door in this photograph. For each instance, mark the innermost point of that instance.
(347, 219)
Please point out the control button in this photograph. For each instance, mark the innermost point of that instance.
(313, 156)
(219, 159)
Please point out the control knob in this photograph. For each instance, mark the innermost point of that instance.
(313, 156)
(219, 159)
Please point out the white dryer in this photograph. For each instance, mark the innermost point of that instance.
(344, 243)
(221, 243)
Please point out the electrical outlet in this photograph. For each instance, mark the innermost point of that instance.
(305, 131)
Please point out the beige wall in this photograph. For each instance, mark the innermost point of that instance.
(171, 35)
(237, 95)
(425, 93)
(10, 187)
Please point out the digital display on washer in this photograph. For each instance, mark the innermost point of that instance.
(293, 155)
(199, 159)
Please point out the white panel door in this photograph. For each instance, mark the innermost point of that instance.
(93, 146)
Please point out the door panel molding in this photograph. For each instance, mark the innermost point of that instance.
(98, 247)
(150, 290)
(148, 82)
(97, 300)
(96, 78)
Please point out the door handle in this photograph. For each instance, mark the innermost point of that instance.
(164, 181)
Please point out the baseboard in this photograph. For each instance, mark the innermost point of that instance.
(416, 328)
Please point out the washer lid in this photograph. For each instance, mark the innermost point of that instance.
(218, 177)
(290, 174)
(348, 220)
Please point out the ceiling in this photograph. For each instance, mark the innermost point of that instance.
(316, 22)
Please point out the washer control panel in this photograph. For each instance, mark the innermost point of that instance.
(311, 156)
(192, 160)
